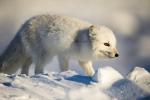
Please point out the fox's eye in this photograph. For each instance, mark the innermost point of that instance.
(107, 44)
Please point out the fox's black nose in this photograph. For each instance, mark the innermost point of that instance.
(116, 55)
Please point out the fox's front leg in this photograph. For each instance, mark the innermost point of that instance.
(88, 68)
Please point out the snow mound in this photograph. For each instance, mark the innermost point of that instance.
(141, 77)
(69, 85)
(106, 76)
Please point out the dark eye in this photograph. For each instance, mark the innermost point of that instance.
(107, 44)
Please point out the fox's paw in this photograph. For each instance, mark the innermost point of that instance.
(90, 71)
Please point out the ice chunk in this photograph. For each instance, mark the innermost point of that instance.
(106, 76)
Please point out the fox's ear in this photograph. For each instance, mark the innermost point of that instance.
(92, 27)
(92, 31)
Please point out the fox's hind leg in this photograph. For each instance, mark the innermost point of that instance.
(37, 49)
(41, 59)
(63, 63)
(39, 66)
(26, 66)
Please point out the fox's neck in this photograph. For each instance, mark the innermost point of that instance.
(82, 44)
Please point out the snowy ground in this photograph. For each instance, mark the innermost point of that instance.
(107, 84)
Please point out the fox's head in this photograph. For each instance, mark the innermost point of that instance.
(103, 42)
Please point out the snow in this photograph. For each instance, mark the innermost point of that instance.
(88, 94)
(106, 84)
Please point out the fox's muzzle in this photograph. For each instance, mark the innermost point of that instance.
(115, 53)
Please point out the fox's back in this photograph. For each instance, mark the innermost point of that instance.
(55, 32)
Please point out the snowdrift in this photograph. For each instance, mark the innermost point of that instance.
(106, 84)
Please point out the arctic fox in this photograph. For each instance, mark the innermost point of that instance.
(42, 37)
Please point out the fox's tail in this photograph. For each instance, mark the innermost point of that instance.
(14, 55)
